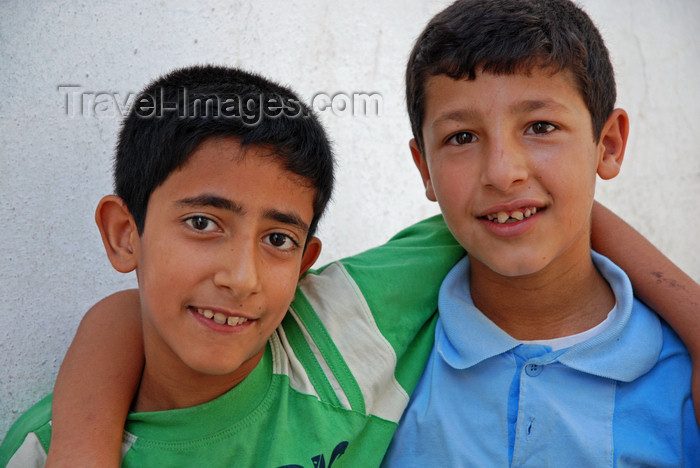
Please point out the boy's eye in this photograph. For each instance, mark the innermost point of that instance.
(541, 128)
(280, 241)
(461, 138)
(201, 223)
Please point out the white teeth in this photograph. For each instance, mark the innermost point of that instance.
(233, 321)
(220, 318)
(503, 217)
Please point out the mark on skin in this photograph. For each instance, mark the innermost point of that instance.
(672, 283)
(660, 279)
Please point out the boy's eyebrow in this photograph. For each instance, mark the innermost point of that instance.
(226, 204)
(533, 105)
(287, 218)
(464, 115)
(459, 115)
(213, 201)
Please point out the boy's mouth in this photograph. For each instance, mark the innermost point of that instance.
(220, 318)
(504, 217)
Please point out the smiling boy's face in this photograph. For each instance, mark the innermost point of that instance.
(512, 161)
(219, 259)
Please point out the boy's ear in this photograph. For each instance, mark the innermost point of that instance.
(119, 234)
(311, 253)
(422, 165)
(613, 140)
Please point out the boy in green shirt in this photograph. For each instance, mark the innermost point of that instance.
(221, 177)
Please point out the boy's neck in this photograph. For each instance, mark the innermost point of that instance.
(566, 298)
(172, 387)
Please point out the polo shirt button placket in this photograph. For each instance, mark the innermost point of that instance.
(533, 370)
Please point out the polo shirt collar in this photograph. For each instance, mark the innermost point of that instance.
(626, 350)
(465, 336)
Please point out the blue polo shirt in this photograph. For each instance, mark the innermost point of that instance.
(620, 398)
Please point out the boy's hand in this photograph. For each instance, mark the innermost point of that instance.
(96, 384)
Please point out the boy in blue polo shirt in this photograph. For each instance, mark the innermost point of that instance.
(542, 355)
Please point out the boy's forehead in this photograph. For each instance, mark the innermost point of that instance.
(224, 146)
(527, 70)
(221, 167)
(232, 148)
(535, 80)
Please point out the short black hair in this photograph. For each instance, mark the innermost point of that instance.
(509, 37)
(177, 112)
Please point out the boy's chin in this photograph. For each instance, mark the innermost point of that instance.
(511, 267)
(214, 367)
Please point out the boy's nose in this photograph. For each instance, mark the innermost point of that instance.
(504, 165)
(238, 269)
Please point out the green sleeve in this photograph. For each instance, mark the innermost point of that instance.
(34, 421)
(400, 281)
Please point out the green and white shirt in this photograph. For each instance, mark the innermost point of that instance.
(333, 382)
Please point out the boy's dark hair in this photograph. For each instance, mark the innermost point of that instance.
(509, 37)
(177, 112)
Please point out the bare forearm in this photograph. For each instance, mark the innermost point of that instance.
(96, 384)
(656, 281)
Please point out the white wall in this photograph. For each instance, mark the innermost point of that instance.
(54, 167)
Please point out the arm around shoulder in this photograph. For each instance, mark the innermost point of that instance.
(97, 383)
(656, 280)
